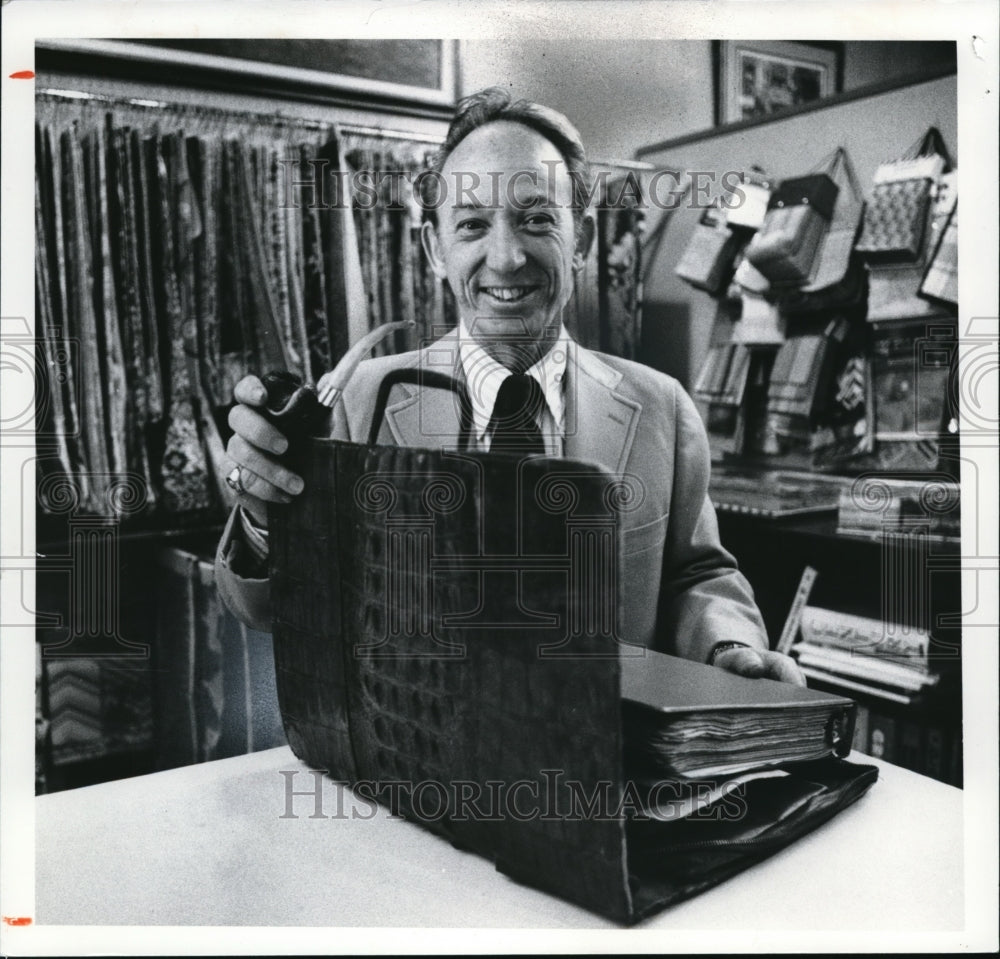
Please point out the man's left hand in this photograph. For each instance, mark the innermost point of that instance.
(745, 661)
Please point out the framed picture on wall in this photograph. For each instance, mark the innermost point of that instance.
(415, 76)
(759, 78)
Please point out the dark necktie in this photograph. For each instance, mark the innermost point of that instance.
(514, 423)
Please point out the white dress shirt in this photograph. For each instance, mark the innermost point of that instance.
(483, 376)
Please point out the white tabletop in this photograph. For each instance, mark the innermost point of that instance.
(207, 845)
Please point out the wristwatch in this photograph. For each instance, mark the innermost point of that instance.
(722, 647)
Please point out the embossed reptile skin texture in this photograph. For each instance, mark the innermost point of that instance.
(431, 629)
(457, 648)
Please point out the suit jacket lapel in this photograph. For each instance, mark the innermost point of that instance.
(600, 423)
(429, 417)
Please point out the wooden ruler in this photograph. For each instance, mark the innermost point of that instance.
(795, 613)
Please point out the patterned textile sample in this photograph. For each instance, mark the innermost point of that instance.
(184, 470)
(97, 708)
(214, 692)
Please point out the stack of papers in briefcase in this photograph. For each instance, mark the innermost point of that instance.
(689, 720)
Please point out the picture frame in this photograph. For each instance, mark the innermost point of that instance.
(410, 76)
(757, 79)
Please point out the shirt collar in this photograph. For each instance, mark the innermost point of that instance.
(483, 376)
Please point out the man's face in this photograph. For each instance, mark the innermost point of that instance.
(505, 240)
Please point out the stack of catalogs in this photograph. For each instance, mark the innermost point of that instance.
(773, 493)
(876, 505)
(863, 655)
(688, 720)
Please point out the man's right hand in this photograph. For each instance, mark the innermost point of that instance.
(254, 446)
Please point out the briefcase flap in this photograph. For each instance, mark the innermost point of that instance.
(847, 294)
(928, 167)
(816, 190)
(670, 861)
(784, 248)
(798, 215)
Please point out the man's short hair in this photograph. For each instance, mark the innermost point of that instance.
(495, 104)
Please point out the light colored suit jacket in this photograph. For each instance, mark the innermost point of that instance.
(683, 593)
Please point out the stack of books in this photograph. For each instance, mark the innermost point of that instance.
(773, 493)
(865, 655)
(876, 504)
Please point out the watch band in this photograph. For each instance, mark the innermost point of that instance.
(255, 536)
(722, 647)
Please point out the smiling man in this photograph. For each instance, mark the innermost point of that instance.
(508, 233)
(510, 263)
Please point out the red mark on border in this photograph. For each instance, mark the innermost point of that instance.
(17, 920)
(23, 75)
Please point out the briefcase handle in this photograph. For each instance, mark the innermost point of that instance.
(300, 410)
(432, 379)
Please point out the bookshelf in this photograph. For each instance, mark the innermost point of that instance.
(869, 576)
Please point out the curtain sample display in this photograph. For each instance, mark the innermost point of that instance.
(207, 692)
(605, 310)
(398, 283)
(179, 248)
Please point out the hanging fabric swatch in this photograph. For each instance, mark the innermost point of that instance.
(56, 414)
(153, 369)
(317, 330)
(270, 345)
(82, 317)
(184, 471)
(204, 166)
(97, 708)
(122, 211)
(105, 303)
(276, 232)
(620, 228)
(175, 256)
(346, 319)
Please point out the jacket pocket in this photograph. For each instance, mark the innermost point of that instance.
(644, 537)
